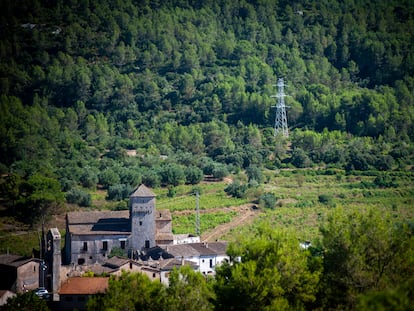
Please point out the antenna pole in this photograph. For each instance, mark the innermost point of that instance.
(197, 215)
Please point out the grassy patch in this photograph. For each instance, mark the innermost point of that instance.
(20, 244)
(212, 196)
(303, 207)
(187, 223)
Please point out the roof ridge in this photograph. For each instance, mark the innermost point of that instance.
(142, 191)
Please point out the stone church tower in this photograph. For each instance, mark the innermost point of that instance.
(53, 261)
(142, 217)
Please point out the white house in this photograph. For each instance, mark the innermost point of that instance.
(206, 255)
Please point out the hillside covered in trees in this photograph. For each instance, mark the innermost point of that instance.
(82, 82)
(104, 95)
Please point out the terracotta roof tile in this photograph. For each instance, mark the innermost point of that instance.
(84, 286)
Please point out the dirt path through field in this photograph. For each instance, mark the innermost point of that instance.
(247, 215)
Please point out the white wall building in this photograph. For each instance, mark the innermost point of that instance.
(206, 255)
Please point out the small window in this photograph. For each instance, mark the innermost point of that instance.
(154, 275)
(147, 244)
(130, 265)
(211, 263)
(105, 245)
(123, 244)
(85, 246)
(81, 261)
(34, 268)
(202, 260)
(140, 223)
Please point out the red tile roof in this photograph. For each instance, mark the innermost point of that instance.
(84, 286)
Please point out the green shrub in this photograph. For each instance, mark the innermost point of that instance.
(119, 192)
(268, 200)
(193, 175)
(384, 180)
(325, 199)
(172, 191)
(236, 189)
(78, 196)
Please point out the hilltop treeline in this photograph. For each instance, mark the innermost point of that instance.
(83, 81)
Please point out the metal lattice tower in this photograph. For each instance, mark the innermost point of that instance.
(197, 215)
(281, 126)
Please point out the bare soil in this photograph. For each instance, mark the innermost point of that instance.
(247, 215)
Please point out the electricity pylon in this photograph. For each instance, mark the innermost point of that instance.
(281, 126)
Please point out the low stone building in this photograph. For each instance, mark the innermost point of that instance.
(19, 274)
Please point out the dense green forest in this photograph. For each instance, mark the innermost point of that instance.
(83, 82)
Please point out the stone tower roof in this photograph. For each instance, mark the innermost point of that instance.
(143, 191)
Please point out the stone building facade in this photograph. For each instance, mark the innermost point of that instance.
(91, 236)
(142, 216)
(19, 274)
(53, 258)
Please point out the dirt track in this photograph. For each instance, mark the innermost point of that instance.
(247, 215)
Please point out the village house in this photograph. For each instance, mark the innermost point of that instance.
(205, 255)
(19, 274)
(157, 269)
(75, 292)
